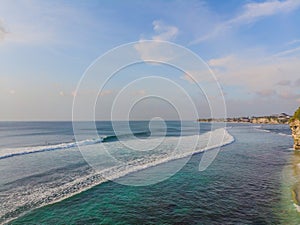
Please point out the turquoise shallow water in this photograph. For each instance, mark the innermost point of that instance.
(248, 183)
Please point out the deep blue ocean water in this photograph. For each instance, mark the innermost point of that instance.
(249, 182)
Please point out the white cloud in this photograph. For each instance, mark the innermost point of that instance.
(254, 11)
(188, 78)
(296, 41)
(198, 76)
(251, 13)
(61, 93)
(259, 75)
(288, 52)
(156, 50)
(163, 31)
(221, 61)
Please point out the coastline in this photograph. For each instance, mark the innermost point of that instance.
(282, 118)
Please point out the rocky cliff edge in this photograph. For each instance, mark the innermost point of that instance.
(295, 127)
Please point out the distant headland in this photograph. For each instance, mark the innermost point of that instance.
(281, 118)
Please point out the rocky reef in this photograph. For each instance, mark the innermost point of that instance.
(295, 127)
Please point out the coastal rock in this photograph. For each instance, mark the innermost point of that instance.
(295, 127)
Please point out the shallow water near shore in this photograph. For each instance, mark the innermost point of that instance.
(250, 182)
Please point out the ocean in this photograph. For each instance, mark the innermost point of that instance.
(49, 177)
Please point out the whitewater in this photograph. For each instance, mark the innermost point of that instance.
(62, 183)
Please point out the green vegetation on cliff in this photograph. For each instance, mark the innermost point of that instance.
(296, 115)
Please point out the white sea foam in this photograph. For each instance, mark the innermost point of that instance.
(10, 152)
(287, 135)
(54, 190)
(269, 131)
(185, 151)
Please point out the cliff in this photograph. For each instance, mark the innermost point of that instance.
(295, 127)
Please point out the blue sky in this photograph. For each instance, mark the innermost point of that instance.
(253, 48)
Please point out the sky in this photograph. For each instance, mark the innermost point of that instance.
(251, 47)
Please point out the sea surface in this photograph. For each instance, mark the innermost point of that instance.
(47, 175)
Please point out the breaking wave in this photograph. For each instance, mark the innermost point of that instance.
(63, 184)
(10, 152)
